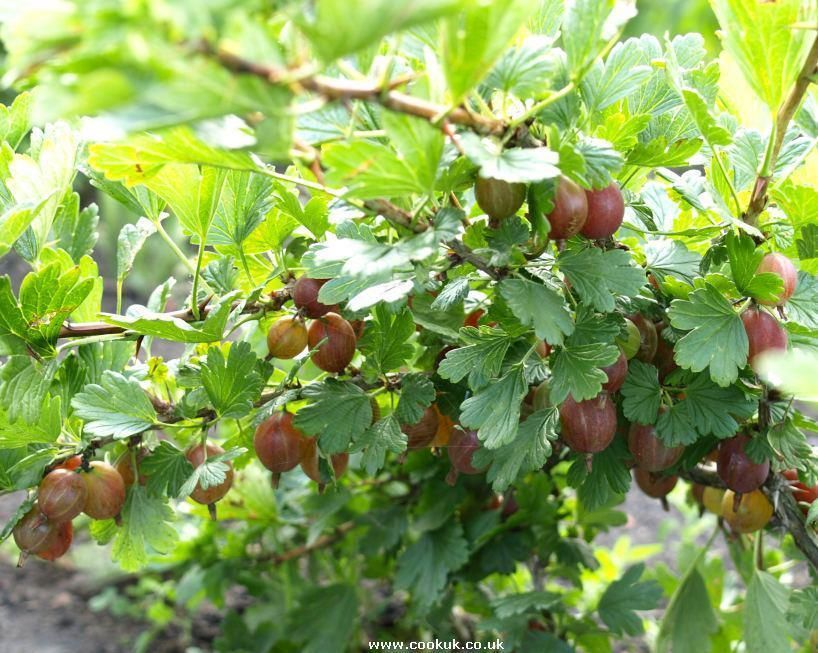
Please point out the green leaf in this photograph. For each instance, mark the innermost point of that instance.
(761, 39)
(338, 414)
(608, 479)
(245, 200)
(623, 597)
(452, 295)
(13, 223)
(600, 276)
(473, 39)
(47, 298)
(370, 170)
(45, 429)
(417, 392)
(117, 406)
(418, 142)
(582, 31)
(166, 469)
(539, 306)
(716, 335)
(232, 384)
(15, 120)
(145, 529)
(335, 607)
(744, 261)
(802, 608)
(480, 359)
(141, 157)
(25, 384)
(131, 239)
(76, 230)
(715, 410)
(529, 451)
(621, 75)
(524, 603)
(424, 566)
(515, 165)
(671, 258)
(384, 435)
(385, 341)
(167, 327)
(689, 620)
(495, 410)
(765, 609)
(193, 194)
(801, 306)
(577, 371)
(641, 393)
(21, 511)
(525, 70)
(41, 179)
(335, 30)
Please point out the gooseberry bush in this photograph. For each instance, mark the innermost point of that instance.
(452, 276)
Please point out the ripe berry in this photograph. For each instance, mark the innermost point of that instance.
(664, 359)
(72, 463)
(801, 492)
(278, 443)
(35, 532)
(606, 210)
(764, 333)
(543, 349)
(421, 434)
(62, 495)
(473, 318)
(286, 338)
(750, 515)
(461, 448)
(445, 425)
(648, 451)
(588, 426)
(654, 485)
(735, 468)
(310, 464)
(570, 210)
(106, 491)
(61, 544)
(616, 373)
(780, 265)
(712, 499)
(648, 338)
(498, 199)
(197, 456)
(339, 349)
(305, 297)
(629, 343)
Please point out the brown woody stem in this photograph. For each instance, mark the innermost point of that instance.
(758, 200)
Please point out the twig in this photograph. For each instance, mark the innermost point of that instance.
(779, 492)
(758, 200)
(463, 253)
(83, 329)
(346, 89)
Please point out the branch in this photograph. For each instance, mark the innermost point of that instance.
(758, 200)
(779, 492)
(345, 89)
(463, 253)
(83, 329)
